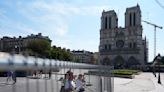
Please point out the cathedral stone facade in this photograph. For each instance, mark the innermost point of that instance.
(122, 46)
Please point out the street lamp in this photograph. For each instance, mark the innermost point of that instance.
(158, 59)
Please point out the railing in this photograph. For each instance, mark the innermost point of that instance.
(29, 65)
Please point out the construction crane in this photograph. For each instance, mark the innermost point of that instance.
(155, 26)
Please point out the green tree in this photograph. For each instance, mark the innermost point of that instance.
(40, 47)
(61, 54)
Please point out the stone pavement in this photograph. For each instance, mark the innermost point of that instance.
(145, 82)
(35, 85)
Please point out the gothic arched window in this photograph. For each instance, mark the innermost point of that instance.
(134, 19)
(105, 22)
(130, 19)
(110, 23)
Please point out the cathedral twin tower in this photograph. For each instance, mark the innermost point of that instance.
(122, 47)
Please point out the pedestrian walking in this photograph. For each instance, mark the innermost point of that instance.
(9, 76)
(50, 74)
(14, 77)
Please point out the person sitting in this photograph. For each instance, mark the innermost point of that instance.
(80, 83)
(70, 85)
(64, 84)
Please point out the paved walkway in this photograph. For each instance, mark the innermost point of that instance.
(35, 85)
(145, 82)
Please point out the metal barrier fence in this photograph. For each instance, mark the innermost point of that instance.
(43, 75)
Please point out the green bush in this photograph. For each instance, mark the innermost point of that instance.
(124, 72)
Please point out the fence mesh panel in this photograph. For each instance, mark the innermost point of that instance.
(31, 74)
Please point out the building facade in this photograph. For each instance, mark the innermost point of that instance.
(19, 45)
(122, 46)
(82, 56)
(95, 58)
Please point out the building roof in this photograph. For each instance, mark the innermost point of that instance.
(133, 8)
(39, 35)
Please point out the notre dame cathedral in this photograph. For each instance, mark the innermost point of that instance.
(122, 46)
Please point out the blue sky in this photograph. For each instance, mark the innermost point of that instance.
(74, 24)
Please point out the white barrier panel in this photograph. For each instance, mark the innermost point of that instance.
(20, 62)
(40, 75)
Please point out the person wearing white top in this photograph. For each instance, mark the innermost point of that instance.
(79, 84)
(70, 85)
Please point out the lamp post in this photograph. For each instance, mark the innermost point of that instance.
(158, 61)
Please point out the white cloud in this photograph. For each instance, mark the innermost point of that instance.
(61, 30)
(93, 10)
(59, 8)
(9, 25)
(65, 43)
(68, 9)
(25, 28)
(52, 17)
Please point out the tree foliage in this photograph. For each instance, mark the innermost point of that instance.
(42, 48)
(61, 54)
